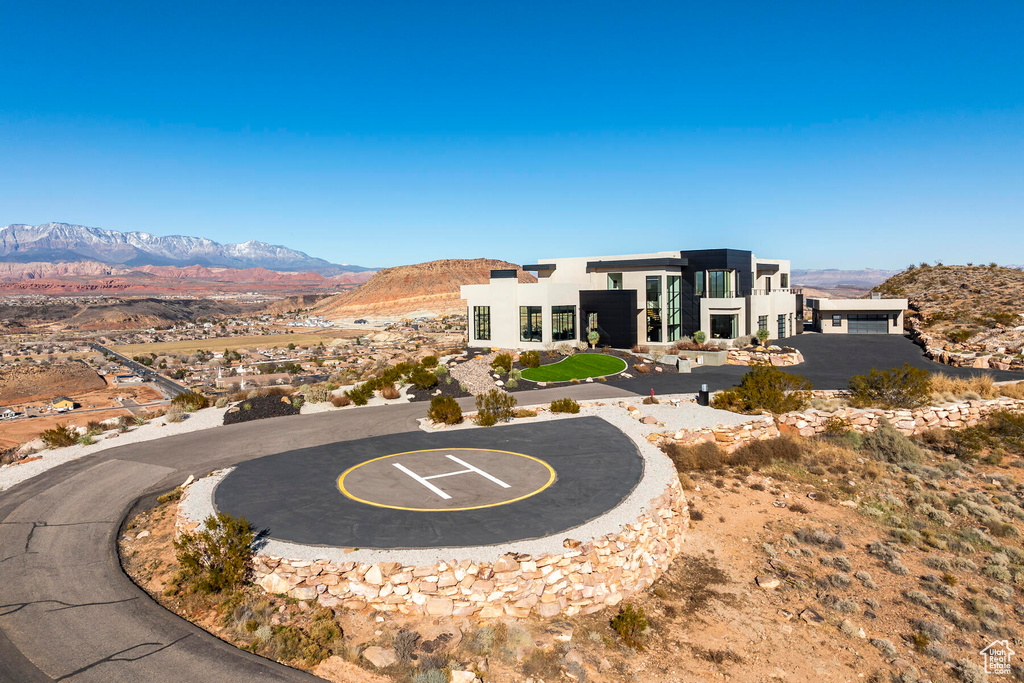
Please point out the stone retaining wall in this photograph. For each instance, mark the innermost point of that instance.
(943, 352)
(728, 437)
(585, 578)
(947, 416)
(776, 358)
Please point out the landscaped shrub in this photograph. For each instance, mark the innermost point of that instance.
(190, 401)
(59, 436)
(422, 378)
(390, 392)
(316, 393)
(221, 402)
(765, 387)
(704, 456)
(361, 394)
(906, 387)
(445, 409)
(699, 337)
(757, 454)
(565, 405)
(216, 557)
(340, 400)
(174, 414)
(529, 359)
(502, 363)
(631, 625)
(495, 404)
(888, 445)
(429, 362)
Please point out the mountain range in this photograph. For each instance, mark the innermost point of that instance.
(66, 243)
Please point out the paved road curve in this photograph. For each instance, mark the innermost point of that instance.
(68, 612)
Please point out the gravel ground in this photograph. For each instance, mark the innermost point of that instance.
(658, 472)
(11, 475)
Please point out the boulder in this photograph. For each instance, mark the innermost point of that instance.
(380, 657)
(274, 584)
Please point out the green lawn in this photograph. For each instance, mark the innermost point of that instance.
(580, 366)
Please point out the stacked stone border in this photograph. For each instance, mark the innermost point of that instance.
(943, 352)
(589, 573)
(776, 358)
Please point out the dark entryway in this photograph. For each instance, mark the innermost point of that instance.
(615, 313)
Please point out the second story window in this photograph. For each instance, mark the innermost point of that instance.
(614, 280)
(784, 280)
(719, 284)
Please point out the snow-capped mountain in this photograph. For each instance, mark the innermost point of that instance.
(61, 242)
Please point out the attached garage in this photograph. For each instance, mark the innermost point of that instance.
(867, 323)
(858, 316)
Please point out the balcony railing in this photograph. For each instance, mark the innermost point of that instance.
(752, 292)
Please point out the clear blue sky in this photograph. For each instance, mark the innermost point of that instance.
(836, 134)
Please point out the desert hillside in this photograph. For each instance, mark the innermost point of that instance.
(423, 287)
(21, 383)
(972, 306)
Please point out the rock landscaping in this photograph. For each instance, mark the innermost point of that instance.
(772, 355)
(260, 407)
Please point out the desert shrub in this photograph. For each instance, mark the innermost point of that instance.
(631, 625)
(529, 359)
(360, 395)
(216, 557)
(524, 412)
(565, 405)
(389, 392)
(221, 402)
(757, 454)
(445, 409)
(1008, 427)
(429, 362)
(93, 428)
(959, 335)
(765, 387)
(888, 445)
(700, 337)
(502, 363)
(316, 393)
(59, 436)
(640, 348)
(495, 404)
(642, 368)
(441, 371)
(906, 387)
(174, 414)
(340, 400)
(704, 456)
(423, 378)
(190, 401)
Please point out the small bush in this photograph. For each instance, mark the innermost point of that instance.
(485, 419)
(888, 445)
(340, 400)
(217, 557)
(906, 387)
(765, 387)
(524, 412)
(502, 363)
(174, 414)
(390, 392)
(757, 454)
(429, 362)
(60, 436)
(631, 625)
(445, 409)
(221, 402)
(497, 404)
(565, 405)
(190, 401)
(705, 456)
(529, 359)
(423, 378)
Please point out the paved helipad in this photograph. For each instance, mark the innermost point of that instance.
(417, 490)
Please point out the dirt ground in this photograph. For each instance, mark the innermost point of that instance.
(16, 432)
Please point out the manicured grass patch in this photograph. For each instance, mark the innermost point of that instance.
(580, 366)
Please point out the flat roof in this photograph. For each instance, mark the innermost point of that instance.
(657, 262)
(858, 304)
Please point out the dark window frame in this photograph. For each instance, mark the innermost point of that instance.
(837, 320)
(654, 313)
(482, 323)
(531, 323)
(674, 290)
(563, 317)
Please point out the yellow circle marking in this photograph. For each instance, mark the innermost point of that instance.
(341, 481)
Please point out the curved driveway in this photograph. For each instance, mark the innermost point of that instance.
(68, 612)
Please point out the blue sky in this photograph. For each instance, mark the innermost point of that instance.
(846, 134)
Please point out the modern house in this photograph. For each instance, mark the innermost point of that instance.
(858, 316)
(646, 299)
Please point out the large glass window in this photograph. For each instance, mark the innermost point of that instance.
(563, 323)
(784, 280)
(614, 280)
(673, 307)
(530, 323)
(782, 326)
(482, 322)
(654, 308)
(724, 326)
(719, 284)
(698, 283)
(762, 322)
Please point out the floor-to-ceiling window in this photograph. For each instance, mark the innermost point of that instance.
(530, 323)
(724, 326)
(762, 322)
(482, 322)
(674, 282)
(782, 326)
(720, 284)
(563, 323)
(654, 308)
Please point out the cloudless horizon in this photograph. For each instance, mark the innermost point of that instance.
(837, 135)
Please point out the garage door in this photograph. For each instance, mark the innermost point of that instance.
(867, 323)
